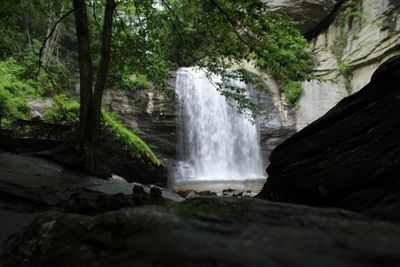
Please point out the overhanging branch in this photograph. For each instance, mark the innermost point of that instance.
(48, 37)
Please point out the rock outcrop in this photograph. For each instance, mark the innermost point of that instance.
(276, 122)
(348, 158)
(29, 186)
(207, 231)
(360, 35)
(309, 13)
(150, 114)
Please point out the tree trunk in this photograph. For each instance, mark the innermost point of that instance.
(90, 99)
(102, 73)
(85, 65)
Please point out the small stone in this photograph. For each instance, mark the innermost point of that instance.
(138, 190)
(191, 195)
(155, 192)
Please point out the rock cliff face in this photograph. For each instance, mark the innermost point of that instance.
(276, 121)
(309, 13)
(348, 158)
(150, 114)
(360, 35)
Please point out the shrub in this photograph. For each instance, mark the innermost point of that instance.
(292, 91)
(64, 111)
(140, 82)
(13, 93)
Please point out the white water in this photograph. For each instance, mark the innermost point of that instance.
(215, 142)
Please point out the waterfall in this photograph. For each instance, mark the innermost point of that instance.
(215, 141)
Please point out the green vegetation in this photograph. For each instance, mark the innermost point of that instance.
(139, 82)
(351, 12)
(292, 92)
(66, 111)
(13, 93)
(132, 142)
(346, 70)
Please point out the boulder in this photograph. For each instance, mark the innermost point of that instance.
(350, 157)
(208, 231)
(309, 13)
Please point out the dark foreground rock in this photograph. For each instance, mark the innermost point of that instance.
(207, 231)
(30, 186)
(50, 216)
(349, 158)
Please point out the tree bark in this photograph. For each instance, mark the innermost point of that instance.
(85, 65)
(90, 98)
(102, 73)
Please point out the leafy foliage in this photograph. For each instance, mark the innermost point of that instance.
(135, 83)
(292, 92)
(13, 92)
(222, 34)
(64, 111)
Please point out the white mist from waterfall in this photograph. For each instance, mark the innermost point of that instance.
(215, 141)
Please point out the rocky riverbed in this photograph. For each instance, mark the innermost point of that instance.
(55, 217)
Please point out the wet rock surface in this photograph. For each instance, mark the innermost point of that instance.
(207, 231)
(51, 216)
(30, 186)
(348, 158)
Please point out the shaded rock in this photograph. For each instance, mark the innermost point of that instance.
(208, 232)
(309, 13)
(155, 192)
(133, 169)
(137, 189)
(350, 157)
(150, 113)
(191, 195)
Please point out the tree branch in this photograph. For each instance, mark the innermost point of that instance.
(48, 37)
(233, 25)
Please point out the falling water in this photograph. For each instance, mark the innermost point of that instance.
(215, 141)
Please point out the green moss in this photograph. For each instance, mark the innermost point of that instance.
(136, 146)
(346, 70)
(66, 110)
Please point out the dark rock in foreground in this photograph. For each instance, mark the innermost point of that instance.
(208, 231)
(349, 158)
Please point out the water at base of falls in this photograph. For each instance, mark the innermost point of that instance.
(215, 141)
